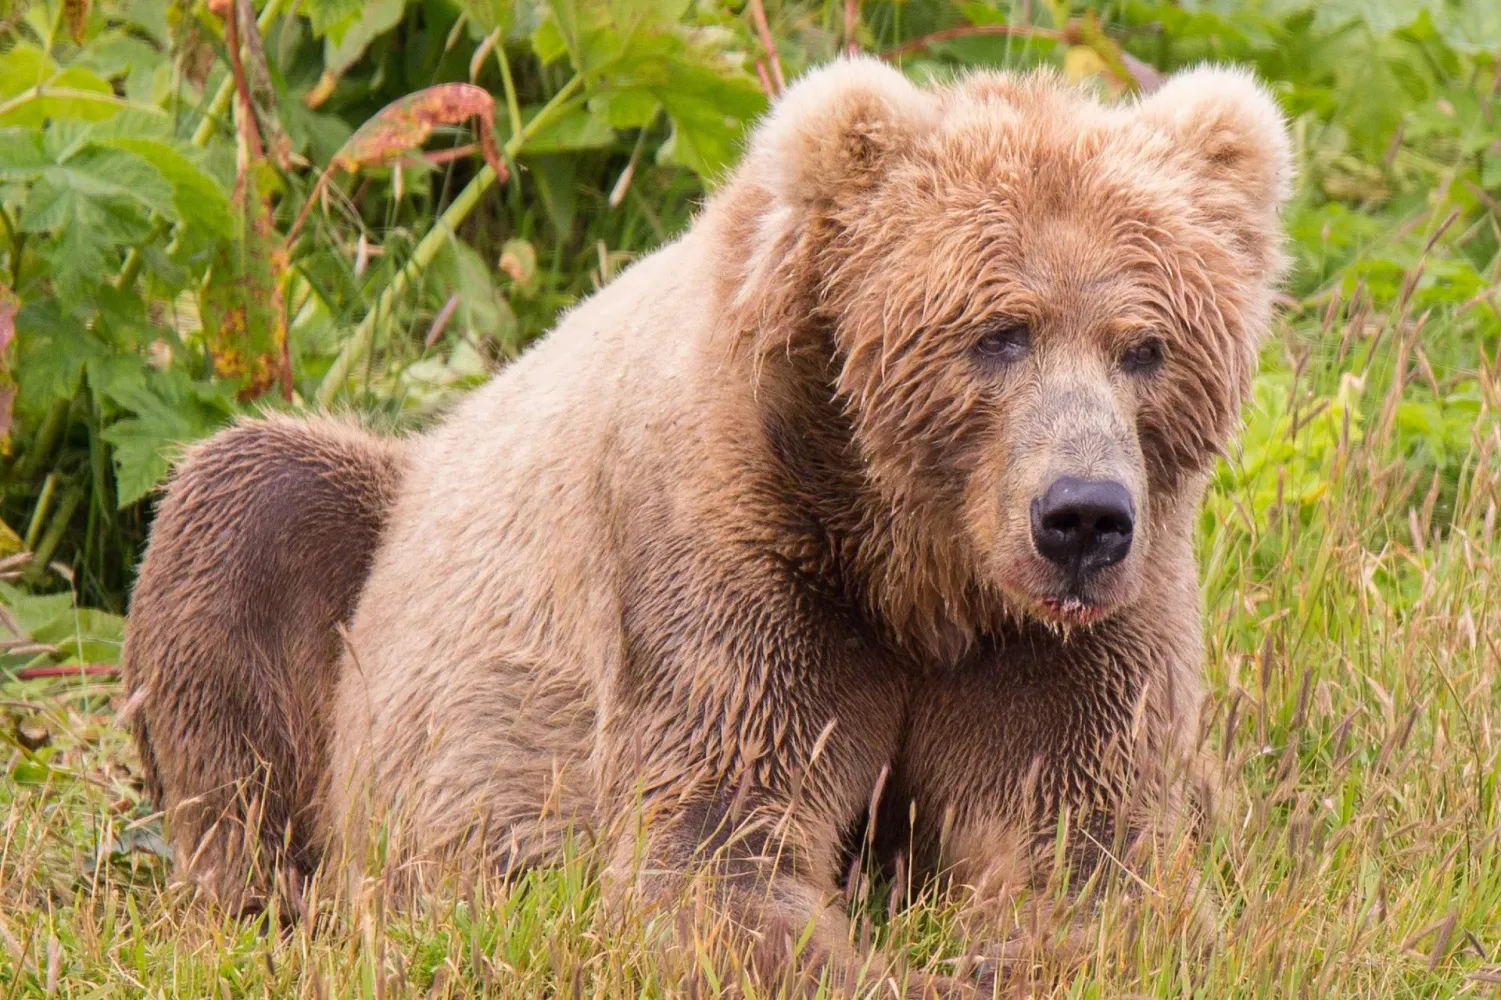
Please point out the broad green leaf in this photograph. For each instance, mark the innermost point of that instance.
(36, 613)
(96, 201)
(73, 93)
(96, 175)
(626, 109)
(710, 113)
(555, 175)
(490, 14)
(1490, 171)
(54, 346)
(168, 410)
(580, 129)
(333, 19)
(197, 196)
(131, 123)
(482, 311)
(346, 43)
(548, 41)
(23, 68)
(22, 156)
(116, 53)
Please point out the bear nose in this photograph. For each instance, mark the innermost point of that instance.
(1083, 524)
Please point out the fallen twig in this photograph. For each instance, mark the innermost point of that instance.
(85, 669)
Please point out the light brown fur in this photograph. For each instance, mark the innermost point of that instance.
(751, 524)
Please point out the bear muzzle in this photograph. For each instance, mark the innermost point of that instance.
(1083, 525)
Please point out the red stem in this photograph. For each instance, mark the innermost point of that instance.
(92, 669)
(763, 28)
(232, 39)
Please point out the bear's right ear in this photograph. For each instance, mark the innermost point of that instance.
(835, 131)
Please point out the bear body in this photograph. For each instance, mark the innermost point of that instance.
(869, 499)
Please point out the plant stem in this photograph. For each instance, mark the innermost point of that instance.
(359, 344)
(513, 107)
(39, 512)
(46, 439)
(201, 135)
(17, 244)
(56, 529)
(75, 670)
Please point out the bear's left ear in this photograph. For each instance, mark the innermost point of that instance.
(1234, 128)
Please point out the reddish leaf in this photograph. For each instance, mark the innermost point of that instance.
(405, 124)
(9, 306)
(77, 14)
(241, 305)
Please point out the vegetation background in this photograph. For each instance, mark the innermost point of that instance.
(209, 207)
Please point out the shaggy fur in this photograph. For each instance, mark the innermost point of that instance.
(258, 551)
(751, 527)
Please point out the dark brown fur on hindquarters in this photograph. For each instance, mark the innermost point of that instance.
(259, 550)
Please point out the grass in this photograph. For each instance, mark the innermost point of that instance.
(1354, 667)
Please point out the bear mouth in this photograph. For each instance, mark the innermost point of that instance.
(1070, 609)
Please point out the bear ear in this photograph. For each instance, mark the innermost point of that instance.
(1235, 127)
(835, 131)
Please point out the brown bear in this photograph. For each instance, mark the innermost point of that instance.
(883, 474)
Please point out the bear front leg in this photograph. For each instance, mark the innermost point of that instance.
(1091, 735)
(734, 757)
(750, 884)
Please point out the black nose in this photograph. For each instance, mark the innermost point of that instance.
(1083, 524)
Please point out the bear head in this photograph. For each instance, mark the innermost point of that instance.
(1041, 314)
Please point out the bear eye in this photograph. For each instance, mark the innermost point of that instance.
(1143, 359)
(1006, 342)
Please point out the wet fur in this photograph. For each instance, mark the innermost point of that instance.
(739, 540)
(258, 552)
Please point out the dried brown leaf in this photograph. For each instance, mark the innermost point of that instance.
(405, 124)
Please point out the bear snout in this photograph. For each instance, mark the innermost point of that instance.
(1083, 525)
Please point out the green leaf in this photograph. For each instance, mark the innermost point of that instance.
(1490, 171)
(97, 200)
(197, 196)
(346, 42)
(22, 156)
(96, 175)
(54, 346)
(626, 109)
(72, 93)
(37, 613)
(555, 175)
(548, 41)
(332, 19)
(579, 129)
(169, 410)
(710, 114)
(482, 311)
